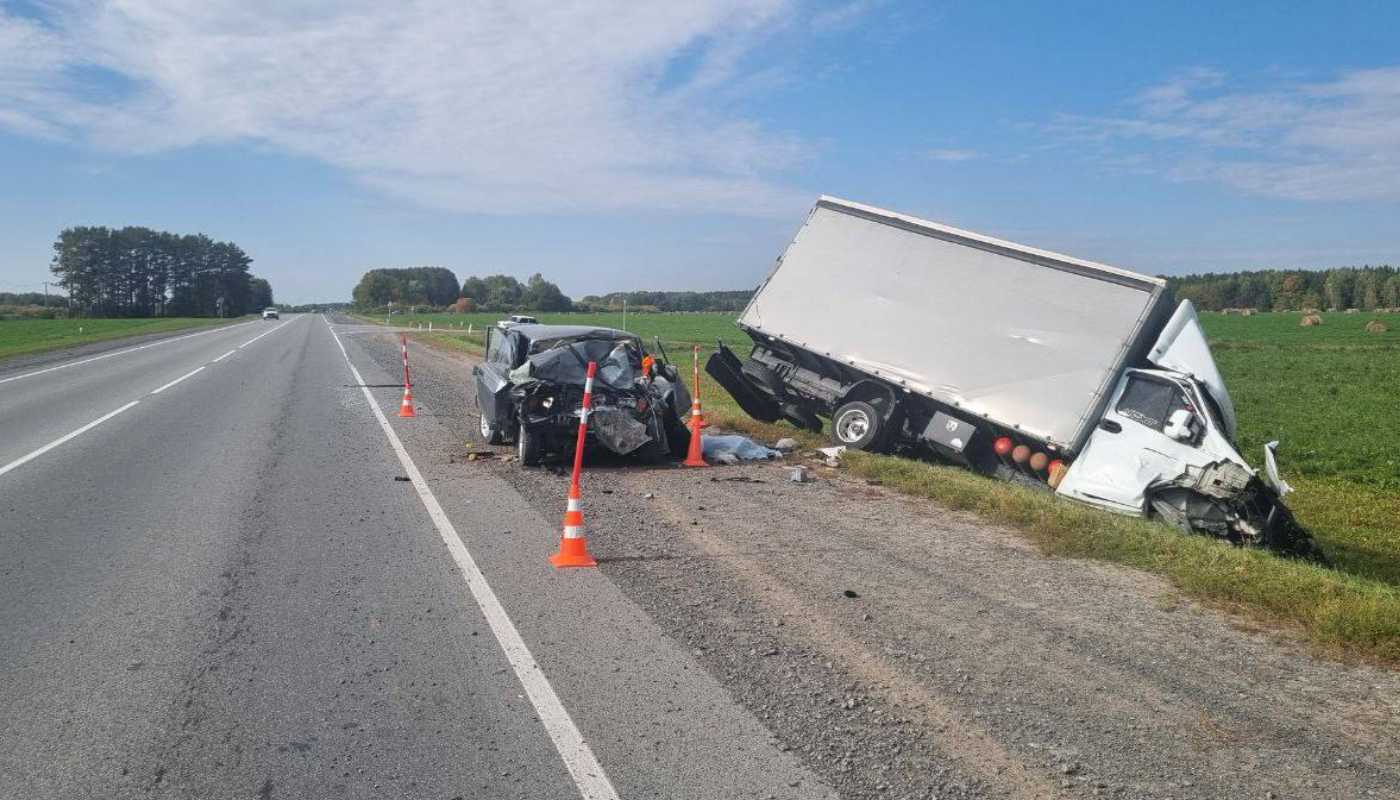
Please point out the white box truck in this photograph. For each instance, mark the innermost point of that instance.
(1016, 362)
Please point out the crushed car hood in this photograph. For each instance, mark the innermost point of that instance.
(568, 365)
(1182, 347)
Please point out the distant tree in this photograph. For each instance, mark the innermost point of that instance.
(259, 293)
(1337, 288)
(1390, 292)
(409, 286)
(541, 295)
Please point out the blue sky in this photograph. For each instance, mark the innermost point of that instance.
(615, 145)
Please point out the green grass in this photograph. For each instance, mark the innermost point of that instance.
(1328, 393)
(29, 336)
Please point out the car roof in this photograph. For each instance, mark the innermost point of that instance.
(539, 333)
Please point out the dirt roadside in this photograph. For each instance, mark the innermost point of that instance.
(904, 650)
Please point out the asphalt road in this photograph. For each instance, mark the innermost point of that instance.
(215, 582)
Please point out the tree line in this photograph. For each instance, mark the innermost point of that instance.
(1364, 288)
(731, 300)
(140, 272)
(437, 287)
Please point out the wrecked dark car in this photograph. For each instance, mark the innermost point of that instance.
(530, 390)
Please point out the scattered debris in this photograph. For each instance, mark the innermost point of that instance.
(851, 593)
(403, 478)
(785, 445)
(799, 474)
(648, 496)
(831, 456)
(1376, 326)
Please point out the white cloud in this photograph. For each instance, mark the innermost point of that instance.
(951, 154)
(526, 106)
(1332, 140)
(842, 15)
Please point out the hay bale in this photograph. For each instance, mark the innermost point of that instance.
(1353, 311)
(1310, 320)
(1248, 312)
(1376, 326)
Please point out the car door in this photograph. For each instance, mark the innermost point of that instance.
(493, 377)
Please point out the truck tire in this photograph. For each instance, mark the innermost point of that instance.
(490, 433)
(527, 446)
(858, 425)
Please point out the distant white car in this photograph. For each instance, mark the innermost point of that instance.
(269, 313)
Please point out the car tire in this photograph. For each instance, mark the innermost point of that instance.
(490, 432)
(527, 447)
(858, 425)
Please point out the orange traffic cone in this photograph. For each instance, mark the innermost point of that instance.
(573, 548)
(406, 407)
(695, 456)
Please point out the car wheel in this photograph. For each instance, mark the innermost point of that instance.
(490, 432)
(858, 425)
(527, 447)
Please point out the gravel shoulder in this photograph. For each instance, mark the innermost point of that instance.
(905, 650)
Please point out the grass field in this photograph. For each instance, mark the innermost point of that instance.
(29, 336)
(1328, 393)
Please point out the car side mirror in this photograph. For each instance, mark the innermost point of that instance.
(1179, 425)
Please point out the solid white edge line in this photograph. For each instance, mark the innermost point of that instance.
(194, 371)
(22, 460)
(578, 758)
(224, 356)
(124, 352)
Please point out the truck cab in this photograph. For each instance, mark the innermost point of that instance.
(1164, 445)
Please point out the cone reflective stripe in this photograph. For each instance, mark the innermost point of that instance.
(695, 454)
(573, 547)
(406, 407)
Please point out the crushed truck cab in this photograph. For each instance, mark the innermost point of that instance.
(897, 333)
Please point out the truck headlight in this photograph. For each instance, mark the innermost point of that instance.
(547, 403)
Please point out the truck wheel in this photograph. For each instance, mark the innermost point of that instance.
(858, 425)
(527, 447)
(490, 432)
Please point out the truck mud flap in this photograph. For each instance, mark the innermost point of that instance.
(728, 372)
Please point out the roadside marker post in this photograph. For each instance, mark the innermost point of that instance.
(573, 547)
(406, 407)
(695, 455)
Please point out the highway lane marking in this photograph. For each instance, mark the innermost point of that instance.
(578, 758)
(259, 336)
(25, 459)
(224, 356)
(124, 352)
(22, 460)
(191, 373)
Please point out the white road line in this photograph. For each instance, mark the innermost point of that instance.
(194, 371)
(22, 460)
(583, 766)
(224, 356)
(264, 333)
(121, 352)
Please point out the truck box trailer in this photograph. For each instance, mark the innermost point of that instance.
(1036, 367)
